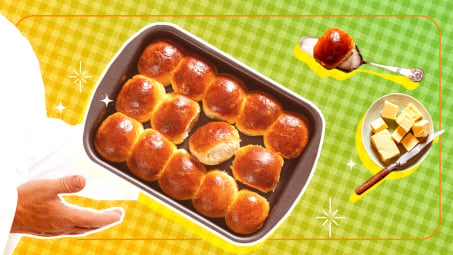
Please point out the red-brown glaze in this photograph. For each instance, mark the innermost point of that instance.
(158, 61)
(150, 154)
(192, 76)
(247, 213)
(257, 167)
(288, 136)
(175, 116)
(258, 113)
(182, 176)
(333, 47)
(138, 97)
(210, 134)
(223, 98)
(116, 135)
(216, 193)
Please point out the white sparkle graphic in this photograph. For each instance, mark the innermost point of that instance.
(351, 164)
(80, 76)
(330, 217)
(106, 100)
(60, 107)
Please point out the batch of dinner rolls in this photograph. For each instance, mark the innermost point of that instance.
(152, 154)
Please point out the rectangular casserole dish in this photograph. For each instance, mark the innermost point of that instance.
(296, 173)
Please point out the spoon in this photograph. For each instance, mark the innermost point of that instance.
(355, 60)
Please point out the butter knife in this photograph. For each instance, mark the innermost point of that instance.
(400, 162)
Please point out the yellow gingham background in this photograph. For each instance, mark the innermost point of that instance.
(74, 38)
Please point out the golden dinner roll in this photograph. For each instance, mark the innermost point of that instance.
(182, 176)
(217, 191)
(192, 76)
(214, 142)
(116, 135)
(258, 113)
(149, 155)
(138, 97)
(247, 213)
(257, 167)
(175, 116)
(159, 59)
(333, 47)
(288, 136)
(223, 98)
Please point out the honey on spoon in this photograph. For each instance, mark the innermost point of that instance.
(336, 49)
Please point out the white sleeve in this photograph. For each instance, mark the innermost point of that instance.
(43, 147)
(8, 201)
(32, 145)
(20, 103)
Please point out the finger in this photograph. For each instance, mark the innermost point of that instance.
(88, 218)
(81, 231)
(67, 231)
(67, 184)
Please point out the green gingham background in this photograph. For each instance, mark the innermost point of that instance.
(394, 213)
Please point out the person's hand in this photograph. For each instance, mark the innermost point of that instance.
(41, 212)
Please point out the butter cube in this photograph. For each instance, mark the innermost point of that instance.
(421, 128)
(389, 110)
(378, 125)
(398, 134)
(405, 121)
(384, 132)
(412, 112)
(385, 146)
(409, 141)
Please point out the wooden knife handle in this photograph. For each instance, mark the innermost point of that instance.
(373, 180)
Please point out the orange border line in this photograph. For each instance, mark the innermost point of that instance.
(140, 239)
(295, 15)
(216, 15)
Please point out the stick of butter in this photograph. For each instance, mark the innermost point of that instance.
(385, 145)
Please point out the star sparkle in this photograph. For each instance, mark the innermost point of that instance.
(106, 100)
(351, 164)
(60, 107)
(330, 217)
(80, 76)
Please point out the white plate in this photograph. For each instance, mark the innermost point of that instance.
(401, 100)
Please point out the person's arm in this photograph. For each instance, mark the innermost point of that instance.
(41, 212)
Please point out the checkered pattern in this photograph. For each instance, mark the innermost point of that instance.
(398, 209)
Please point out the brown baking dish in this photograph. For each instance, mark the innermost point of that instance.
(296, 173)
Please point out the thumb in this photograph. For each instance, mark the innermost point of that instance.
(68, 184)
